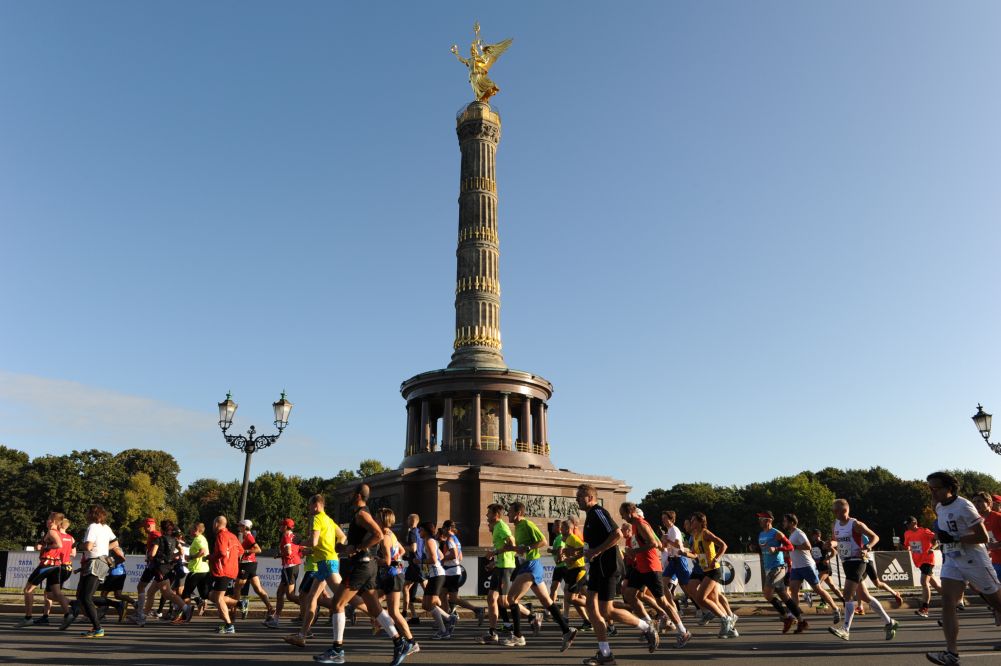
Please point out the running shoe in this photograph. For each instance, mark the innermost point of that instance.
(704, 619)
(178, 620)
(600, 660)
(244, 608)
(683, 639)
(652, 639)
(839, 631)
(400, 652)
(271, 622)
(808, 598)
(536, 624)
(489, 639)
(568, 640)
(444, 635)
(413, 647)
(297, 640)
(612, 630)
(946, 658)
(801, 626)
(43, 620)
(787, 623)
(836, 616)
(186, 613)
(23, 622)
(513, 641)
(961, 607)
(891, 629)
(586, 627)
(331, 656)
(733, 633)
(724, 627)
(93, 633)
(67, 621)
(230, 629)
(922, 612)
(450, 622)
(733, 619)
(123, 609)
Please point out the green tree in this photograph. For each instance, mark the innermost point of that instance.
(369, 467)
(271, 498)
(142, 499)
(723, 505)
(204, 499)
(160, 466)
(803, 495)
(971, 482)
(16, 516)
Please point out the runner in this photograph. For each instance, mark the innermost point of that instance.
(360, 573)
(164, 554)
(500, 564)
(568, 553)
(452, 561)
(822, 553)
(289, 552)
(322, 563)
(50, 562)
(391, 576)
(773, 546)
(707, 549)
(531, 575)
(199, 576)
(847, 535)
(434, 572)
(114, 583)
(98, 542)
(601, 537)
(677, 566)
(803, 567)
(870, 573)
(984, 502)
(224, 564)
(248, 571)
(412, 575)
(921, 543)
(144, 605)
(960, 529)
(647, 570)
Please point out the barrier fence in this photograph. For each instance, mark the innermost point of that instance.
(741, 572)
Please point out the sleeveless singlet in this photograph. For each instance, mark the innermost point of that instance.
(699, 547)
(849, 543)
(396, 558)
(357, 533)
(434, 569)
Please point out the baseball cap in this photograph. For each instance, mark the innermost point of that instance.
(996, 498)
(639, 512)
(246, 523)
(149, 521)
(766, 514)
(909, 519)
(289, 523)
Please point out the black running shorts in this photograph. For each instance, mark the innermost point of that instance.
(248, 570)
(650, 580)
(854, 570)
(360, 575)
(290, 575)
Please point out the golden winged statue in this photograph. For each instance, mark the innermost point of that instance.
(481, 59)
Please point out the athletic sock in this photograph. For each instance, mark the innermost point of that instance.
(386, 623)
(554, 610)
(502, 612)
(516, 621)
(439, 617)
(337, 621)
(605, 649)
(643, 626)
(794, 609)
(849, 614)
(777, 605)
(879, 609)
(681, 626)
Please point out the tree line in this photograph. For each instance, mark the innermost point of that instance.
(137, 483)
(877, 497)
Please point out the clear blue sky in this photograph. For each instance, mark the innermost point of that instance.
(741, 239)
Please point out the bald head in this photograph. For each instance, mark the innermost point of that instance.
(219, 523)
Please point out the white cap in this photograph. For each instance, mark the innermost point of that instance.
(639, 512)
(246, 523)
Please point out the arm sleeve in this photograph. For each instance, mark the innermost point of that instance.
(784, 544)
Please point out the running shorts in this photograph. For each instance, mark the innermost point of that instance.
(113, 584)
(927, 569)
(870, 572)
(713, 574)
(307, 581)
(973, 567)
(533, 567)
(413, 574)
(248, 570)
(434, 586)
(575, 580)
(327, 568)
(221, 583)
(775, 578)
(147, 574)
(65, 573)
(680, 568)
(603, 586)
(290, 575)
(500, 579)
(823, 567)
(651, 580)
(163, 571)
(452, 583)
(47, 573)
(391, 583)
(360, 573)
(197, 581)
(854, 570)
(809, 574)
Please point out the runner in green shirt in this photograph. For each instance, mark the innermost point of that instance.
(529, 539)
(500, 571)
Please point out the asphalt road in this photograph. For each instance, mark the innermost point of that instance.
(761, 642)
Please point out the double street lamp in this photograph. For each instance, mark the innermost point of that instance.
(983, 422)
(252, 442)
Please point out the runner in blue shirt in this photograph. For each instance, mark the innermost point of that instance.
(773, 546)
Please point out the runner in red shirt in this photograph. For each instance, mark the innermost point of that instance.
(645, 577)
(248, 571)
(144, 605)
(992, 521)
(921, 542)
(224, 563)
(291, 554)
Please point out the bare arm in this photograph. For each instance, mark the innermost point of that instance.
(719, 543)
(862, 528)
(613, 538)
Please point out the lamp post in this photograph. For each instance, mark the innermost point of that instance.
(251, 443)
(983, 422)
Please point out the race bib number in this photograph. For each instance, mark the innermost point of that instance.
(844, 549)
(916, 547)
(952, 549)
(817, 553)
(703, 561)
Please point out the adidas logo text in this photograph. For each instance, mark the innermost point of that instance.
(895, 572)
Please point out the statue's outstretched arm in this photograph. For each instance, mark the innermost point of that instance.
(455, 52)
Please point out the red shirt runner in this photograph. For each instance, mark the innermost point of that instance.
(645, 560)
(225, 557)
(248, 547)
(992, 521)
(919, 541)
(290, 551)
